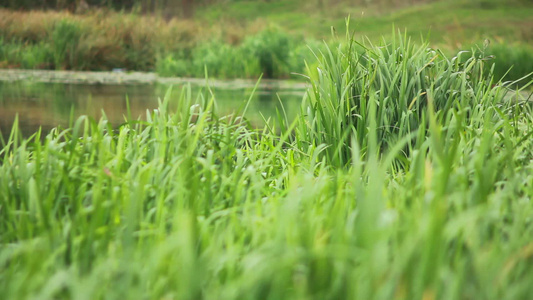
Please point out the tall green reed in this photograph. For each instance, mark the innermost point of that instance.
(65, 38)
(391, 84)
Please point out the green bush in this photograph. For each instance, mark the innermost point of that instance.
(221, 60)
(512, 60)
(169, 66)
(26, 56)
(64, 39)
(272, 49)
(39, 56)
(269, 53)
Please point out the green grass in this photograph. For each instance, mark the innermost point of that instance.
(346, 202)
(457, 21)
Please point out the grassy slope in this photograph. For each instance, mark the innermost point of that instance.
(448, 21)
(449, 25)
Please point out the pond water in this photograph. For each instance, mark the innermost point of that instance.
(49, 104)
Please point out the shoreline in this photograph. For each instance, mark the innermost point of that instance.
(135, 78)
(151, 78)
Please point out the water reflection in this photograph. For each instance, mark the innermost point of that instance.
(48, 105)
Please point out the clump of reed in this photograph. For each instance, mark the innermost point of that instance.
(396, 85)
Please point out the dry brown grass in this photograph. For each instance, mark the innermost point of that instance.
(110, 39)
(28, 26)
(34, 26)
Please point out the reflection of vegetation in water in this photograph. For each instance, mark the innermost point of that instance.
(51, 104)
(264, 101)
(52, 97)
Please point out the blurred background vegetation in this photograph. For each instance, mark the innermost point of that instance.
(234, 38)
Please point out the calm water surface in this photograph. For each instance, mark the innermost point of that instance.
(48, 105)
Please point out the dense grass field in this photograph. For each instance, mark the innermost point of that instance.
(407, 175)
